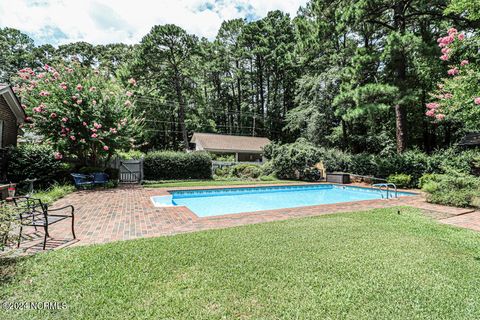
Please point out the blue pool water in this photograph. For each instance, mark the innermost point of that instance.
(213, 202)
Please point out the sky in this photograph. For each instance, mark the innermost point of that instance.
(111, 21)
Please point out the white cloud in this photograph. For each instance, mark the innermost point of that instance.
(127, 21)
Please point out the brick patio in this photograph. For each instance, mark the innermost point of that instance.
(127, 213)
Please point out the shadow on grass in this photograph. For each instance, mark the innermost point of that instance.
(8, 268)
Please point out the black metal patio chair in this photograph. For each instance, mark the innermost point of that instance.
(34, 213)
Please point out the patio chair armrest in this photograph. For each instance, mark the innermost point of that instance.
(62, 208)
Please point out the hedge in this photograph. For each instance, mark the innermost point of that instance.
(35, 161)
(296, 161)
(170, 165)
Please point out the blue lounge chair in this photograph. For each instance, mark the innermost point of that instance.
(100, 178)
(82, 181)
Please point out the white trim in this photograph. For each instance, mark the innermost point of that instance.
(12, 102)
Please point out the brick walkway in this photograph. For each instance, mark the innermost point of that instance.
(127, 213)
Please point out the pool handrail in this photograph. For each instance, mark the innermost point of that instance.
(387, 185)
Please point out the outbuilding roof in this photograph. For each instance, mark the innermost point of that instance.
(227, 143)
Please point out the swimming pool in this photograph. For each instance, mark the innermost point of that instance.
(213, 202)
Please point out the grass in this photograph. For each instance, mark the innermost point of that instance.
(210, 183)
(366, 265)
(54, 193)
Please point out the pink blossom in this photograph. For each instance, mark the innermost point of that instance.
(24, 106)
(432, 105)
(128, 103)
(440, 116)
(132, 81)
(446, 50)
(44, 93)
(444, 57)
(94, 135)
(27, 119)
(105, 148)
(46, 67)
(69, 70)
(452, 31)
(464, 63)
(68, 129)
(113, 130)
(92, 89)
(40, 75)
(461, 36)
(53, 115)
(477, 100)
(63, 85)
(79, 101)
(73, 138)
(453, 71)
(82, 140)
(58, 156)
(430, 113)
(63, 134)
(84, 123)
(64, 119)
(56, 74)
(79, 87)
(129, 94)
(65, 102)
(97, 125)
(93, 130)
(448, 96)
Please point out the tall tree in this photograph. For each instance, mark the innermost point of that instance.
(166, 52)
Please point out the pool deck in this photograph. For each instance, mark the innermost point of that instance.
(127, 213)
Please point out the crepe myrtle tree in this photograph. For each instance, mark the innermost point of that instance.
(82, 112)
(457, 97)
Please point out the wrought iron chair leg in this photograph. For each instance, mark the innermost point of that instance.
(19, 237)
(73, 228)
(45, 237)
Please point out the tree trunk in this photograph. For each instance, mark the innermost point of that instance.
(181, 109)
(400, 65)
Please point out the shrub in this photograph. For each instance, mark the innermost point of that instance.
(400, 180)
(168, 165)
(8, 219)
(267, 178)
(295, 160)
(453, 188)
(33, 161)
(251, 171)
(426, 178)
(131, 155)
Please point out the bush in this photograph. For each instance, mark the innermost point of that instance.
(34, 161)
(8, 220)
(400, 180)
(296, 160)
(131, 155)
(54, 193)
(169, 165)
(426, 178)
(454, 188)
(250, 171)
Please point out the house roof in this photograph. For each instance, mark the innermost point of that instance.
(471, 139)
(13, 102)
(227, 143)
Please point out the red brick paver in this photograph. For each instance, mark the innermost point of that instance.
(468, 220)
(128, 213)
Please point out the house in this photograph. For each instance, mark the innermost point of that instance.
(11, 116)
(470, 140)
(245, 149)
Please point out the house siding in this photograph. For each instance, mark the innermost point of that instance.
(10, 128)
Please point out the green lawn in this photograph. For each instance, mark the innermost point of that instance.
(369, 265)
(209, 183)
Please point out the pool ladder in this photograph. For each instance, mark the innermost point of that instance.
(386, 186)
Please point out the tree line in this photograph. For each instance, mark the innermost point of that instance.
(356, 75)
